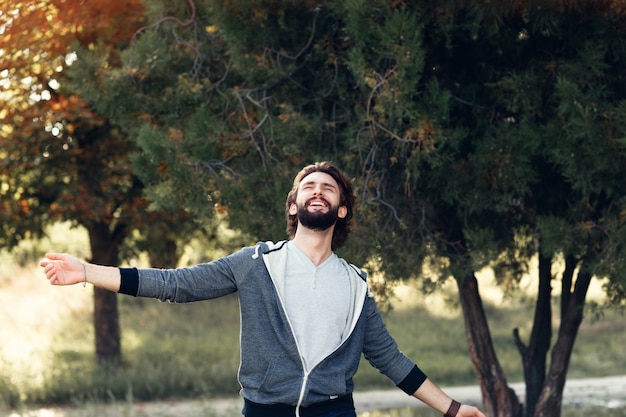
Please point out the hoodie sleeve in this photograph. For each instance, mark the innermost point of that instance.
(381, 350)
(182, 285)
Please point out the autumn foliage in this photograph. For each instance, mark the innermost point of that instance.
(42, 123)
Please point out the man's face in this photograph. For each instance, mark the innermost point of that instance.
(317, 202)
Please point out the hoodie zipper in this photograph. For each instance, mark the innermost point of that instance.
(307, 372)
(305, 379)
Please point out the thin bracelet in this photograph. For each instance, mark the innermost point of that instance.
(85, 278)
(453, 410)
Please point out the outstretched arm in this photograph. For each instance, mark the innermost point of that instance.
(432, 395)
(64, 269)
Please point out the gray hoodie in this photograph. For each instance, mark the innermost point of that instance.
(272, 370)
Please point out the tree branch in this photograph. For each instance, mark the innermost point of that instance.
(176, 20)
(521, 347)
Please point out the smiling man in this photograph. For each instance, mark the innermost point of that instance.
(307, 315)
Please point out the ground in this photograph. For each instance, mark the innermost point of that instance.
(608, 391)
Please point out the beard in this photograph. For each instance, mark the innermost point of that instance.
(316, 220)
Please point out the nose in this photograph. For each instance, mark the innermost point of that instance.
(318, 190)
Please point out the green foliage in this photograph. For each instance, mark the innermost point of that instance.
(30, 252)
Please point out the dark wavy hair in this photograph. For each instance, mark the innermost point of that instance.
(346, 198)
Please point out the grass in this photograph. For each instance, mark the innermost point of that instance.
(190, 351)
(566, 412)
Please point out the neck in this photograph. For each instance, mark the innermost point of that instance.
(316, 245)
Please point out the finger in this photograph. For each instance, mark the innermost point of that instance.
(52, 277)
(54, 256)
(51, 274)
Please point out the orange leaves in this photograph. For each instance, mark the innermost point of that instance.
(422, 134)
(30, 59)
(72, 104)
(20, 43)
(287, 113)
(24, 206)
(221, 209)
(162, 168)
(69, 111)
(103, 20)
(145, 117)
(175, 135)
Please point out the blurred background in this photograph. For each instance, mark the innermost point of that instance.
(486, 142)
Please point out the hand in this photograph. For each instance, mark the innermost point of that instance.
(63, 269)
(469, 411)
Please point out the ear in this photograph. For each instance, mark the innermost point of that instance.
(342, 212)
(293, 209)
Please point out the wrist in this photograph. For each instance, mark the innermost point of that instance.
(453, 409)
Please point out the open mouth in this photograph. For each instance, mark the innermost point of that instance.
(317, 203)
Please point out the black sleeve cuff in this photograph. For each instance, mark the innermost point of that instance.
(413, 381)
(129, 284)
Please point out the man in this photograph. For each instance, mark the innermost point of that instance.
(306, 314)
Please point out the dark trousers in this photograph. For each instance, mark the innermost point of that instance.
(340, 414)
(340, 407)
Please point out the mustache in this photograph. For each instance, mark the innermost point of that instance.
(308, 202)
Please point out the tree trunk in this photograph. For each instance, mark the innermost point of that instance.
(105, 251)
(550, 401)
(498, 399)
(535, 354)
(164, 254)
(107, 328)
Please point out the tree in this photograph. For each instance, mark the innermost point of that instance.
(480, 134)
(63, 161)
(497, 173)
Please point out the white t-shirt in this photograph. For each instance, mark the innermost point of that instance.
(317, 300)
